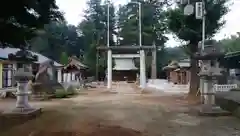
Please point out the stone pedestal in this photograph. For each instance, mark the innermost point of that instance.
(22, 76)
(208, 107)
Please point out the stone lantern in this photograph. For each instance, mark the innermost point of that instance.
(209, 74)
(23, 75)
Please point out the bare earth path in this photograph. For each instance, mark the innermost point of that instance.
(125, 113)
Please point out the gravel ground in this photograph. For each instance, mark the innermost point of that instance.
(126, 112)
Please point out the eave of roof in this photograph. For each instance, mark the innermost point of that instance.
(5, 51)
(232, 54)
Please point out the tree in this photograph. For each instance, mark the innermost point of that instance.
(93, 30)
(153, 27)
(64, 58)
(58, 37)
(153, 23)
(231, 44)
(21, 23)
(188, 28)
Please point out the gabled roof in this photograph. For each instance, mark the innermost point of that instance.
(171, 65)
(75, 63)
(5, 51)
(178, 64)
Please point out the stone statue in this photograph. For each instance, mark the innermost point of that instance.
(46, 72)
(45, 79)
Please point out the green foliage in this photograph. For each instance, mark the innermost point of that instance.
(56, 38)
(61, 93)
(169, 54)
(93, 30)
(154, 27)
(236, 89)
(71, 91)
(64, 58)
(231, 44)
(153, 23)
(188, 28)
(22, 22)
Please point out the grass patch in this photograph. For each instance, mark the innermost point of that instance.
(235, 89)
(61, 93)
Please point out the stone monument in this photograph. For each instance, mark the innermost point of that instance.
(45, 81)
(22, 76)
(209, 74)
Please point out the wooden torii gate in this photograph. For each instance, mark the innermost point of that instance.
(128, 48)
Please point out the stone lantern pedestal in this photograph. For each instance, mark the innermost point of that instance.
(22, 76)
(208, 106)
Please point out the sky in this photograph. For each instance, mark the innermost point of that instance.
(74, 9)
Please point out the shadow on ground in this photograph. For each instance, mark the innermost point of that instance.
(8, 122)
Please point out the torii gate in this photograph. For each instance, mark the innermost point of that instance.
(127, 48)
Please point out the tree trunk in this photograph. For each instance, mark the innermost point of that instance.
(194, 79)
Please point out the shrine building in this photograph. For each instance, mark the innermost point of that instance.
(178, 72)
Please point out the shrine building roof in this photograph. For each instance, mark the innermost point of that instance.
(231, 60)
(74, 64)
(4, 52)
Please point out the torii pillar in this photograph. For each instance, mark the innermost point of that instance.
(109, 69)
(142, 69)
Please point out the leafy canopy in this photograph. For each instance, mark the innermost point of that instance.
(20, 19)
(189, 28)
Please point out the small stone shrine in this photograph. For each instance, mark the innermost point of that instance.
(210, 73)
(23, 75)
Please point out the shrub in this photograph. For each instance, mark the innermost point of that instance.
(61, 94)
(71, 90)
(235, 89)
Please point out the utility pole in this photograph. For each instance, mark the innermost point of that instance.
(142, 52)
(203, 24)
(154, 61)
(109, 55)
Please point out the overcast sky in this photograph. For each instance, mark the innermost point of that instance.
(74, 14)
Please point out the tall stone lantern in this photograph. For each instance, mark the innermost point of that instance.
(22, 76)
(210, 73)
